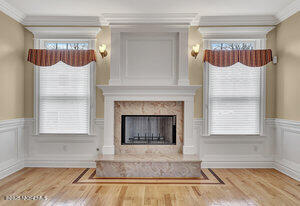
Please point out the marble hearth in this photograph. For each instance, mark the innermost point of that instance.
(153, 165)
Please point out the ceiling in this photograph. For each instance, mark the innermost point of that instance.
(98, 7)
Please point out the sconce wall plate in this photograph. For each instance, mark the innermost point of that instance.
(103, 54)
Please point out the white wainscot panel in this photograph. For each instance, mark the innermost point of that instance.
(291, 146)
(11, 146)
(287, 158)
(62, 150)
(235, 151)
(149, 58)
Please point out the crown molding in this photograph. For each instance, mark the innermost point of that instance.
(11, 11)
(288, 11)
(253, 20)
(235, 32)
(62, 21)
(160, 18)
(64, 32)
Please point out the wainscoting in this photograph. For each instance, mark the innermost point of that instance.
(278, 148)
(11, 146)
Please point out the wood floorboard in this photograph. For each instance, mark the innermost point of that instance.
(241, 187)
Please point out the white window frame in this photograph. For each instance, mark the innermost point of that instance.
(40, 44)
(258, 44)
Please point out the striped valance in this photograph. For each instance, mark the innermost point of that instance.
(225, 58)
(75, 58)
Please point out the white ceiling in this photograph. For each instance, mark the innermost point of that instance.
(98, 7)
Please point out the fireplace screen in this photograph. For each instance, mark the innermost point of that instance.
(148, 129)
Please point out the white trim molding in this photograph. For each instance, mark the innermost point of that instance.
(62, 21)
(141, 18)
(288, 11)
(64, 32)
(247, 20)
(235, 32)
(12, 12)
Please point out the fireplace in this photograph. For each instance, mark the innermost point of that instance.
(148, 130)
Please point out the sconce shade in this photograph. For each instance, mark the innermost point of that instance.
(195, 50)
(102, 50)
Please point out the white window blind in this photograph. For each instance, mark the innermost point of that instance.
(234, 99)
(64, 99)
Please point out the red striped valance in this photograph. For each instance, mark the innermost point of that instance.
(225, 58)
(75, 58)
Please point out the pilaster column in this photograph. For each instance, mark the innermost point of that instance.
(108, 143)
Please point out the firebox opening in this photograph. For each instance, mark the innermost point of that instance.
(148, 130)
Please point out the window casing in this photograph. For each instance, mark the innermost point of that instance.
(65, 100)
(234, 97)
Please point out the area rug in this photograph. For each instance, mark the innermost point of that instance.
(208, 176)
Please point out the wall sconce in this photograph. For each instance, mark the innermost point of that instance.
(195, 50)
(102, 50)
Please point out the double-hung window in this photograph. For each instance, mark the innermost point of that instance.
(64, 94)
(234, 95)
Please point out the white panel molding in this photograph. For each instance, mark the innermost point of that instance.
(246, 20)
(288, 11)
(62, 150)
(273, 150)
(62, 21)
(277, 130)
(119, 37)
(64, 32)
(235, 32)
(12, 12)
(11, 136)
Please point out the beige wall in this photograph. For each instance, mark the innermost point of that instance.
(11, 68)
(288, 69)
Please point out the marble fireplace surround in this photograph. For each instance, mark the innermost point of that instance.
(174, 93)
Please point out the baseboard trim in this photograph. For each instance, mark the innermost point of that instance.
(237, 164)
(61, 163)
(287, 171)
(12, 169)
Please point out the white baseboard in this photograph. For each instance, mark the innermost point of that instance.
(233, 164)
(12, 169)
(61, 163)
(287, 171)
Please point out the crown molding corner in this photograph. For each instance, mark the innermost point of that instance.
(12, 12)
(288, 11)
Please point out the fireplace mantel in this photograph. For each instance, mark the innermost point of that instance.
(114, 93)
(134, 90)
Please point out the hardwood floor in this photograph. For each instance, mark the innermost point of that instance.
(242, 187)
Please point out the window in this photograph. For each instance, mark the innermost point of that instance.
(64, 95)
(233, 99)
